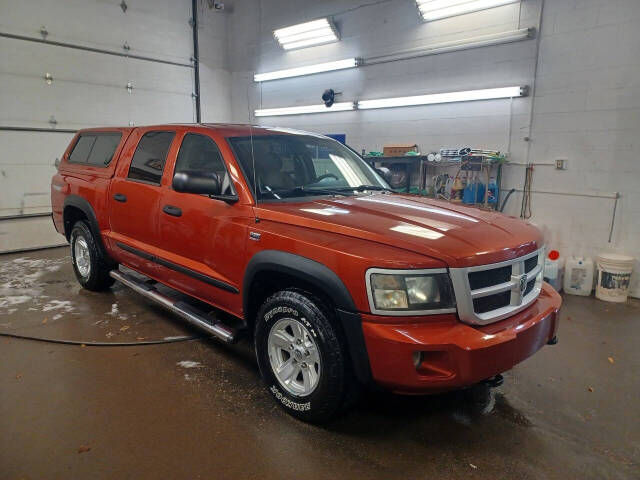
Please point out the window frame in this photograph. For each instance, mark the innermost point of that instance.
(164, 163)
(226, 198)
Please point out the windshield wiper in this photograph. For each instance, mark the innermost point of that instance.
(302, 190)
(363, 188)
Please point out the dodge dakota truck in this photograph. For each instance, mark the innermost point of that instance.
(300, 245)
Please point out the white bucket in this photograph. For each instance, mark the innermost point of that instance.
(614, 274)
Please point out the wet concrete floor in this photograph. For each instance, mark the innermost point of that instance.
(196, 408)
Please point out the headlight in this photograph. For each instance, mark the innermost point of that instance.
(410, 292)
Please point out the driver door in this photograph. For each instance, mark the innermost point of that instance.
(203, 237)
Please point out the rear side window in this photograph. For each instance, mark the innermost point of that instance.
(95, 149)
(151, 153)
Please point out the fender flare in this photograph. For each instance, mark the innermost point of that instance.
(83, 205)
(327, 281)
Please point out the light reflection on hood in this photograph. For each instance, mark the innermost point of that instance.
(422, 208)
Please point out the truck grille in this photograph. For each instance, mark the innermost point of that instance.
(488, 293)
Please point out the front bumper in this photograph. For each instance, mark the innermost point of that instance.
(453, 354)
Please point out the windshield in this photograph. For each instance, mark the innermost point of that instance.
(289, 166)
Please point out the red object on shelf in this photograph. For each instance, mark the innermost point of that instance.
(554, 255)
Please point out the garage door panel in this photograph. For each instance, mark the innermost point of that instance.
(88, 89)
(32, 60)
(30, 102)
(151, 27)
(32, 148)
(25, 189)
(147, 108)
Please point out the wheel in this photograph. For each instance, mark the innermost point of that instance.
(90, 266)
(302, 356)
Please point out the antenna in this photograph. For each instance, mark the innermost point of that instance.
(253, 158)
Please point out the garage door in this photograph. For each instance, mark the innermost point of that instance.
(109, 63)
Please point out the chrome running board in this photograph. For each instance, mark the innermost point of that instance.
(191, 314)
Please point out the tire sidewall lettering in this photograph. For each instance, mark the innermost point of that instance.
(284, 400)
(284, 310)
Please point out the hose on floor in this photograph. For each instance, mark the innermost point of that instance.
(101, 344)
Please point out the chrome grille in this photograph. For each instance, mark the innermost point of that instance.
(488, 293)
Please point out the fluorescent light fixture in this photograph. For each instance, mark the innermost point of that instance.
(316, 32)
(308, 70)
(454, 46)
(469, 95)
(274, 112)
(437, 9)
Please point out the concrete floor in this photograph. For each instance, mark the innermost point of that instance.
(70, 411)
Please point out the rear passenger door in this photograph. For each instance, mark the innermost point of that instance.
(134, 198)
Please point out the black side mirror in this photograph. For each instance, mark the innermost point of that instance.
(384, 172)
(196, 183)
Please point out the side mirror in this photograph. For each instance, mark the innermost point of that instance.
(384, 172)
(196, 183)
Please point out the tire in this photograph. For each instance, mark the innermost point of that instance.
(89, 264)
(311, 402)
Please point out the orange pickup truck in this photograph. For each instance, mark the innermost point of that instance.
(341, 282)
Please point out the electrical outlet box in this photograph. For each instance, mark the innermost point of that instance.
(561, 163)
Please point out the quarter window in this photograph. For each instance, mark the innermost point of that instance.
(151, 153)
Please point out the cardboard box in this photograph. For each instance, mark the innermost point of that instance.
(399, 149)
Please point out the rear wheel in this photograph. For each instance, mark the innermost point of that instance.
(302, 356)
(89, 265)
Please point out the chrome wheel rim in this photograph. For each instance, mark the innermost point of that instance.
(294, 357)
(82, 257)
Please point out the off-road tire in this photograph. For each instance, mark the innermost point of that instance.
(98, 278)
(334, 387)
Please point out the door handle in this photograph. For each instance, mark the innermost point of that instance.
(119, 197)
(171, 210)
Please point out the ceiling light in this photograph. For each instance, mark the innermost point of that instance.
(316, 32)
(320, 108)
(484, 94)
(437, 9)
(309, 69)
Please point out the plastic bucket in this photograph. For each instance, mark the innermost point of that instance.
(614, 275)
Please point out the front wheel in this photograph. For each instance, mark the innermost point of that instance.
(301, 356)
(89, 265)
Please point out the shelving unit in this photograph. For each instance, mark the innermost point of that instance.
(477, 163)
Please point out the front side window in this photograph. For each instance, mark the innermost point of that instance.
(292, 166)
(200, 155)
(95, 149)
(151, 153)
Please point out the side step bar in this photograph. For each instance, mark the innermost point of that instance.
(191, 314)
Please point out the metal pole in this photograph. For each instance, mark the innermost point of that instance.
(613, 217)
(196, 58)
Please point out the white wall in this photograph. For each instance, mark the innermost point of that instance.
(586, 105)
(587, 109)
(89, 88)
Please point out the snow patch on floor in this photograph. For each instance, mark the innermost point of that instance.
(189, 364)
(20, 283)
(64, 305)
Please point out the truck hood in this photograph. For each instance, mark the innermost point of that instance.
(458, 235)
